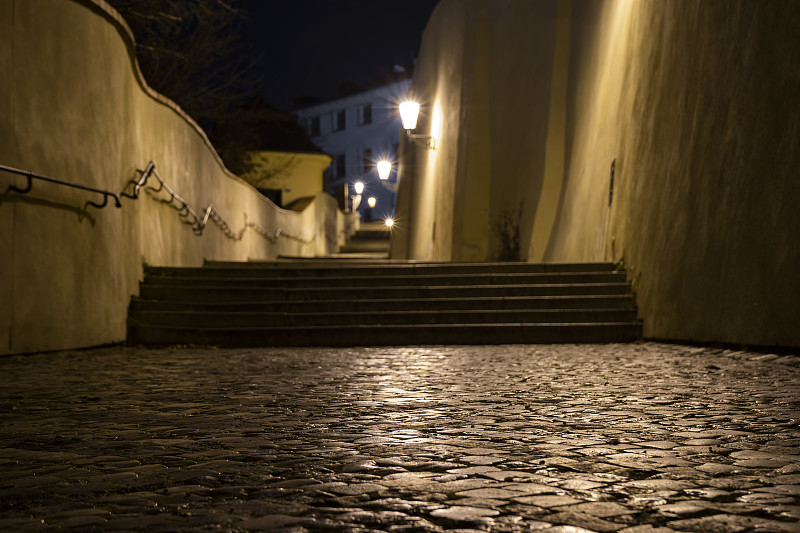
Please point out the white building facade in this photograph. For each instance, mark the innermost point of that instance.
(359, 130)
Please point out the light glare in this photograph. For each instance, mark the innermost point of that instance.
(359, 187)
(436, 123)
(409, 111)
(389, 222)
(384, 169)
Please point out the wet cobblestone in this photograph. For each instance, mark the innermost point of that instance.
(635, 438)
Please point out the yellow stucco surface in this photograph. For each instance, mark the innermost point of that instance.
(695, 101)
(297, 174)
(74, 106)
(555, 145)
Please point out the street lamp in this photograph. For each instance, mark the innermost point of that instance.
(356, 198)
(409, 111)
(384, 169)
(371, 203)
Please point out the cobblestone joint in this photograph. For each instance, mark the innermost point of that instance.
(631, 438)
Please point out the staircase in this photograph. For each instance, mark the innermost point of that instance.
(371, 240)
(352, 303)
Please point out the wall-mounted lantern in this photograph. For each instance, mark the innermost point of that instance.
(384, 169)
(409, 111)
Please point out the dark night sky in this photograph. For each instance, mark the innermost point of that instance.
(312, 46)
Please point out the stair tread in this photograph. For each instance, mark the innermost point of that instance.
(479, 302)
(392, 287)
(189, 317)
(508, 276)
(393, 312)
(335, 327)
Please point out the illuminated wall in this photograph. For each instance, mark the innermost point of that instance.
(695, 101)
(297, 174)
(494, 128)
(73, 105)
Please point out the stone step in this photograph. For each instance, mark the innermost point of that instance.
(326, 268)
(344, 303)
(371, 235)
(401, 280)
(388, 335)
(239, 319)
(397, 304)
(360, 246)
(200, 293)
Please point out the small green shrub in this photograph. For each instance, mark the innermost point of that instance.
(505, 230)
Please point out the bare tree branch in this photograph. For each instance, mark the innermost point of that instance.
(192, 52)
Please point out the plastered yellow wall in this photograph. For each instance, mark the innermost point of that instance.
(73, 105)
(297, 174)
(493, 129)
(424, 210)
(697, 104)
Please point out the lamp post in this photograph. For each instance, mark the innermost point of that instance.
(356, 198)
(409, 111)
(371, 201)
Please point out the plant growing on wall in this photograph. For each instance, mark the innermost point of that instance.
(504, 226)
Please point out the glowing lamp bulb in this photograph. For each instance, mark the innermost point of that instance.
(389, 222)
(359, 187)
(384, 168)
(371, 201)
(409, 111)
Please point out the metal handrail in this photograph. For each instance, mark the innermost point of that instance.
(32, 175)
(185, 211)
(210, 212)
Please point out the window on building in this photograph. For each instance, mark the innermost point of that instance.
(367, 162)
(365, 114)
(340, 167)
(313, 126)
(339, 120)
(335, 170)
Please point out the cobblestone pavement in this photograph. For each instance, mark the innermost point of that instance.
(632, 438)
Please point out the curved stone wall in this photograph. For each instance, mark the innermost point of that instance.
(694, 101)
(73, 105)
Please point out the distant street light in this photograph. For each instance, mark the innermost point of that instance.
(371, 202)
(356, 198)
